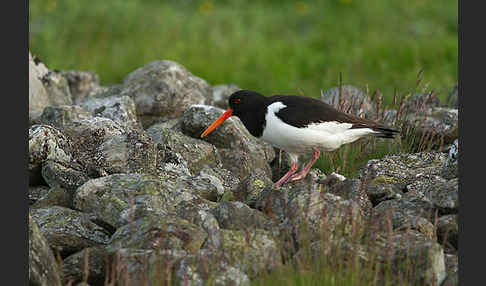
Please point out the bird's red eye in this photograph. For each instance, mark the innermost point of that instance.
(237, 100)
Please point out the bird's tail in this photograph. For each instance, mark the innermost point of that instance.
(383, 132)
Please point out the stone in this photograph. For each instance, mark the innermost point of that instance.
(221, 94)
(67, 230)
(46, 142)
(450, 168)
(43, 268)
(157, 232)
(120, 109)
(82, 84)
(238, 216)
(73, 266)
(163, 90)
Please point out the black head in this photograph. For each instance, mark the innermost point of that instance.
(244, 101)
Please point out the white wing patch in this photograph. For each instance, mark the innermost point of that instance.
(326, 136)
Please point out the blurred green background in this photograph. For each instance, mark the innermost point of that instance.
(270, 46)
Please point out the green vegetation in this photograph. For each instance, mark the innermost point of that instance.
(269, 46)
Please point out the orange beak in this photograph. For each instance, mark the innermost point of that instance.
(218, 122)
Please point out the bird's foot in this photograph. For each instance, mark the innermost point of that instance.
(285, 178)
(302, 174)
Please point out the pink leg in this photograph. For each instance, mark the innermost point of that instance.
(306, 169)
(293, 169)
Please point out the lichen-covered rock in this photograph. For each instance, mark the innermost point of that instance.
(130, 152)
(197, 153)
(450, 168)
(73, 266)
(411, 253)
(64, 175)
(163, 90)
(59, 116)
(205, 267)
(199, 213)
(46, 142)
(55, 196)
(434, 128)
(445, 196)
(409, 172)
(448, 231)
(409, 212)
(240, 152)
(251, 186)
(311, 212)
(221, 94)
(35, 193)
(68, 230)
(43, 268)
(156, 232)
(238, 216)
(228, 181)
(353, 189)
(116, 199)
(57, 88)
(120, 109)
(349, 99)
(254, 251)
(380, 191)
(82, 84)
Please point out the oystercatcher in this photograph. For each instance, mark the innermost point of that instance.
(298, 125)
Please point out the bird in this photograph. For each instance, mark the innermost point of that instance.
(298, 125)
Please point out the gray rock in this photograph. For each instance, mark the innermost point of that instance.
(120, 109)
(221, 94)
(36, 192)
(68, 230)
(240, 152)
(60, 116)
(412, 173)
(434, 128)
(202, 268)
(312, 213)
(353, 189)
(38, 97)
(63, 175)
(228, 182)
(163, 90)
(445, 196)
(380, 191)
(73, 266)
(46, 142)
(82, 84)
(57, 88)
(43, 268)
(254, 251)
(352, 100)
(199, 214)
(238, 216)
(119, 198)
(450, 168)
(251, 186)
(448, 231)
(403, 214)
(411, 252)
(56, 196)
(156, 232)
(196, 153)
(130, 152)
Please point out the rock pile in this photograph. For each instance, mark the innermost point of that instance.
(120, 179)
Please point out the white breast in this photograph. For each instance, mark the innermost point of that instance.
(326, 136)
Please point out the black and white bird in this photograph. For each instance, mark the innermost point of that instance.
(299, 125)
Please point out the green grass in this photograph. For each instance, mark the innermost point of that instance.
(273, 47)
